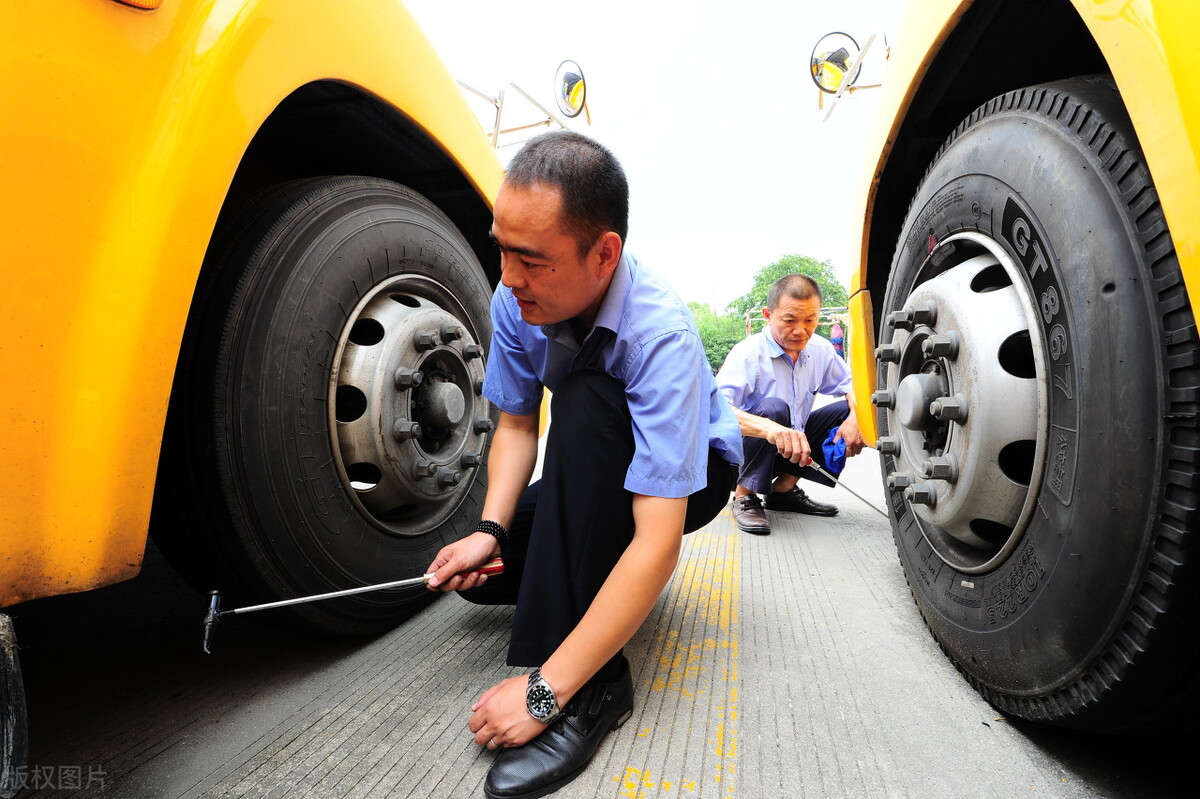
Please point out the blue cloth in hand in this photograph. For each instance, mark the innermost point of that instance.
(835, 453)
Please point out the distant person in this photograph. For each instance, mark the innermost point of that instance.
(770, 379)
(838, 338)
(642, 449)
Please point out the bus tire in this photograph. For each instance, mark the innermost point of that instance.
(1038, 424)
(327, 425)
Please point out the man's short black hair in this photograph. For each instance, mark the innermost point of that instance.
(595, 193)
(795, 286)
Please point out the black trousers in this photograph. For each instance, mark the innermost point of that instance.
(763, 463)
(574, 524)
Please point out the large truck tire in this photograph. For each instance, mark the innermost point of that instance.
(327, 424)
(1039, 383)
(14, 724)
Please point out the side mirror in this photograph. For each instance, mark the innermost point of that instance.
(835, 62)
(571, 92)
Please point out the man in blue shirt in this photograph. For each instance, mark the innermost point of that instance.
(770, 379)
(641, 449)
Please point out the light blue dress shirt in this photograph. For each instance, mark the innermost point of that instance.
(657, 354)
(757, 367)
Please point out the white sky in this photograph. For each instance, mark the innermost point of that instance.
(710, 109)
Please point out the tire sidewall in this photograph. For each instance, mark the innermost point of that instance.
(314, 267)
(1036, 622)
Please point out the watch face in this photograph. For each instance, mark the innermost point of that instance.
(541, 701)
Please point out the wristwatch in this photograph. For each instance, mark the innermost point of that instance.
(540, 700)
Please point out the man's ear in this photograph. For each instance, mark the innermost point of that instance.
(608, 250)
(767, 314)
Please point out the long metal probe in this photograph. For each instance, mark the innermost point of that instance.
(494, 566)
(838, 482)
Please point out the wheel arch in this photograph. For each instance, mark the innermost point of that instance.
(992, 48)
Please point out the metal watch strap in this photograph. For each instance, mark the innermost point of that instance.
(538, 683)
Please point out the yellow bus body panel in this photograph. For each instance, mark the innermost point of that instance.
(122, 131)
(1150, 46)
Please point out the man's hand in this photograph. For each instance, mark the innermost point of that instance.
(849, 432)
(464, 555)
(792, 444)
(500, 719)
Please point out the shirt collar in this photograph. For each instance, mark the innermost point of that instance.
(776, 351)
(612, 308)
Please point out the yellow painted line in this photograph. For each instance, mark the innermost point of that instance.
(698, 657)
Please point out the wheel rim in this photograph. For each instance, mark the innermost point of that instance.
(408, 420)
(966, 403)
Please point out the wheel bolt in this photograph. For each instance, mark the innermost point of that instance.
(423, 468)
(425, 340)
(478, 386)
(888, 353)
(899, 480)
(483, 425)
(883, 398)
(921, 494)
(448, 477)
(472, 351)
(953, 409)
(942, 345)
(408, 378)
(470, 460)
(888, 445)
(404, 430)
(900, 320)
(451, 332)
(925, 314)
(941, 468)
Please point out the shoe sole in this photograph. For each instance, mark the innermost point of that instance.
(802, 512)
(554, 786)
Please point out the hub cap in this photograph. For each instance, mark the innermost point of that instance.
(965, 403)
(408, 419)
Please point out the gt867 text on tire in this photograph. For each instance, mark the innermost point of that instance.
(1038, 388)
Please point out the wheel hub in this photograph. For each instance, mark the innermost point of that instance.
(965, 410)
(409, 419)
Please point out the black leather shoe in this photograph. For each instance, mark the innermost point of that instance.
(796, 501)
(749, 516)
(564, 749)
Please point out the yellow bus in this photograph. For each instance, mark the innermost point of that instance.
(246, 287)
(1025, 329)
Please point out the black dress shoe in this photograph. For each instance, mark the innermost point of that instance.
(749, 516)
(796, 501)
(561, 752)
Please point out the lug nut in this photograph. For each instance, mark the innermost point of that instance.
(451, 332)
(924, 314)
(888, 445)
(899, 480)
(408, 378)
(425, 340)
(900, 320)
(888, 353)
(483, 426)
(404, 430)
(942, 345)
(448, 477)
(921, 494)
(423, 468)
(883, 398)
(478, 386)
(941, 468)
(470, 460)
(952, 409)
(472, 351)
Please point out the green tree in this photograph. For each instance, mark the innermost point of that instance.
(833, 293)
(718, 332)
